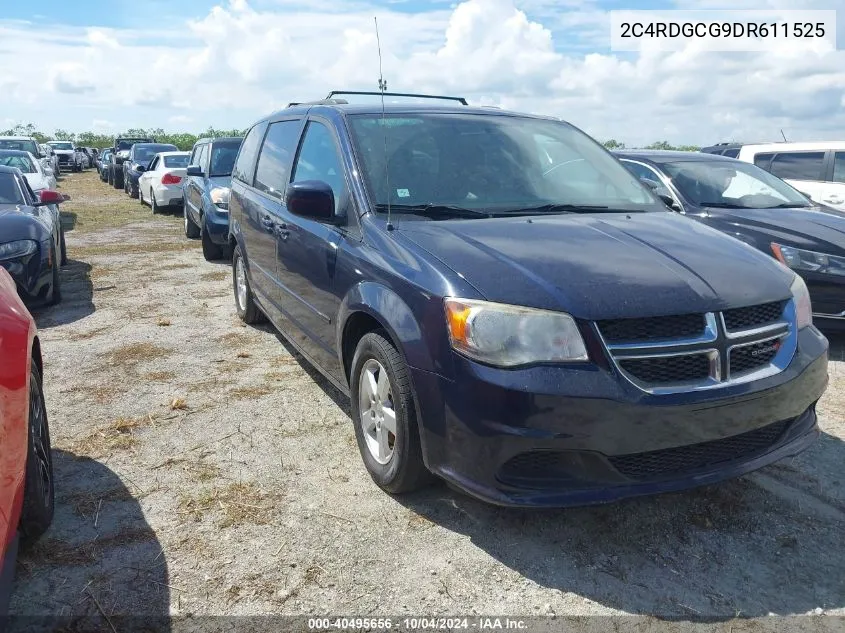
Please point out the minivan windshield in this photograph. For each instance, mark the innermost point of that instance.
(144, 153)
(732, 184)
(493, 163)
(223, 155)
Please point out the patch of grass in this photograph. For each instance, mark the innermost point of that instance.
(243, 355)
(134, 353)
(116, 436)
(275, 376)
(235, 339)
(86, 504)
(197, 470)
(217, 275)
(282, 361)
(141, 247)
(55, 552)
(84, 336)
(98, 273)
(247, 393)
(159, 376)
(162, 322)
(237, 504)
(176, 266)
(178, 404)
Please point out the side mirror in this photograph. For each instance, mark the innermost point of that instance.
(668, 200)
(140, 168)
(48, 196)
(194, 170)
(311, 199)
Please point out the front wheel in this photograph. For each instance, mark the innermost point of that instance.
(385, 417)
(64, 249)
(210, 250)
(192, 231)
(245, 305)
(38, 495)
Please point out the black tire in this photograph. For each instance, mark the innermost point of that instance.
(192, 231)
(56, 291)
(405, 470)
(64, 249)
(39, 492)
(141, 198)
(210, 250)
(134, 190)
(153, 204)
(249, 312)
(117, 180)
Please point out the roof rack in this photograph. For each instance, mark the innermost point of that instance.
(328, 101)
(460, 100)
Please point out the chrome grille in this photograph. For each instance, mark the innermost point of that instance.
(672, 354)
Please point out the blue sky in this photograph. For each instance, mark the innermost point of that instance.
(110, 65)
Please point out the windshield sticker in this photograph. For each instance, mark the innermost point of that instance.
(403, 193)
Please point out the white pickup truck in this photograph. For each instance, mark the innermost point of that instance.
(69, 158)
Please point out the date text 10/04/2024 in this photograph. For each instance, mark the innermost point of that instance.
(417, 624)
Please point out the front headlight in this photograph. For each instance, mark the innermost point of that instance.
(803, 307)
(800, 259)
(507, 336)
(220, 197)
(18, 248)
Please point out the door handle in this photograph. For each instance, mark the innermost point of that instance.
(268, 224)
(282, 231)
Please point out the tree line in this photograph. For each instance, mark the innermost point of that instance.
(185, 140)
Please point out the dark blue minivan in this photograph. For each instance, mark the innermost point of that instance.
(511, 310)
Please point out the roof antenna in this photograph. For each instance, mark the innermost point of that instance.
(382, 87)
(783, 135)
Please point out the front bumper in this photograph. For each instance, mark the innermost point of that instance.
(216, 224)
(552, 436)
(33, 275)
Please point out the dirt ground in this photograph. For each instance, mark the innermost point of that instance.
(202, 468)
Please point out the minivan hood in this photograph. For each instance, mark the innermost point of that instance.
(818, 228)
(600, 266)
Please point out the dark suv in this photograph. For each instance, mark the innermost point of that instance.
(205, 191)
(513, 311)
(120, 152)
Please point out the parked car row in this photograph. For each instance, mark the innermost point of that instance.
(509, 306)
(197, 182)
(815, 168)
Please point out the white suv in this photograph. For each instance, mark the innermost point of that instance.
(814, 168)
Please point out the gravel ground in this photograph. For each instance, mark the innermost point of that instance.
(202, 468)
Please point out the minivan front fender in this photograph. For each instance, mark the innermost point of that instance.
(384, 306)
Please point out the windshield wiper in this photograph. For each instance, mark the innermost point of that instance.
(566, 208)
(444, 210)
(790, 205)
(725, 205)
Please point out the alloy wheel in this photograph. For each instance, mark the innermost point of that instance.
(377, 412)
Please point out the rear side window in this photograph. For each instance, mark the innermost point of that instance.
(839, 167)
(276, 157)
(763, 161)
(202, 157)
(244, 165)
(731, 153)
(196, 154)
(798, 165)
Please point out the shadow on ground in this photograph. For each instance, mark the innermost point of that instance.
(77, 297)
(98, 563)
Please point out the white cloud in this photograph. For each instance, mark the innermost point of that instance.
(102, 125)
(236, 63)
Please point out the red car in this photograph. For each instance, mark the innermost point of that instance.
(26, 464)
